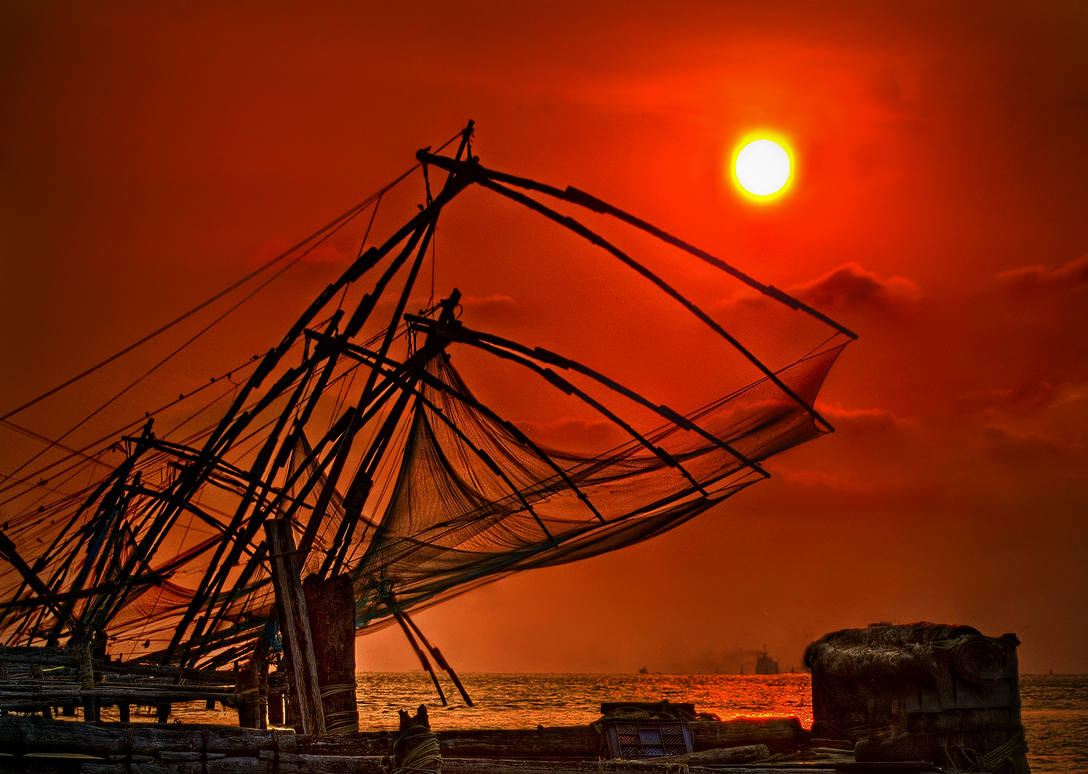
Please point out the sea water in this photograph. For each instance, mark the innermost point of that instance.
(1054, 707)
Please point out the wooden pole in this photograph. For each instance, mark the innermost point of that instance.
(439, 659)
(262, 696)
(422, 656)
(295, 625)
(331, 606)
(247, 689)
(86, 681)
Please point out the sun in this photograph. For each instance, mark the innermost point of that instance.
(762, 168)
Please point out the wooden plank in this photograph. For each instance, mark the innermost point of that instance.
(113, 693)
(518, 766)
(746, 753)
(231, 765)
(778, 734)
(50, 765)
(649, 706)
(340, 764)
(48, 657)
(295, 625)
(25, 735)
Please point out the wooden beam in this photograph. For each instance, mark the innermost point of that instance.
(567, 742)
(295, 625)
(25, 655)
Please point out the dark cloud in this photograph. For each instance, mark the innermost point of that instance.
(850, 286)
(324, 254)
(1073, 276)
(1033, 396)
(492, 307)
(848, 289)
(858, 421)
(1030, 448)
(574, 433)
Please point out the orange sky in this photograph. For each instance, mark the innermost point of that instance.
(152, 153)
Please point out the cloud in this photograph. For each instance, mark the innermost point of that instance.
(863, 421)
(324, 254)
(1030, 397)
(492, 308)
(1019, 446)
(1072, 276)
(851, 287)
(574, 433)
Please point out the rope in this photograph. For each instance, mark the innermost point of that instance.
(344, 721)
(331, 690)
(425, 756)
(1014, 747)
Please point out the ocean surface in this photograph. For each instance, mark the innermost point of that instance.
(1054, 707)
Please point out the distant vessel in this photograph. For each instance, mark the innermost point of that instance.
(765, 665)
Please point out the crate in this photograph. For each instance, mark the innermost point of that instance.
(646, 738)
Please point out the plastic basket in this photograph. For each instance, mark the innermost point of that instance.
(646, 738)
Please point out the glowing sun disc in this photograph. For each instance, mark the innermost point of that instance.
(763, 167)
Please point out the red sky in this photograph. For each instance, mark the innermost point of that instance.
(153, 153)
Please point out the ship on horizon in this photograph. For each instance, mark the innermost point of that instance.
(765, 665)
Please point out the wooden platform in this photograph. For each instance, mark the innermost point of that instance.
(37, 745)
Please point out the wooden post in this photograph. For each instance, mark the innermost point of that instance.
(86, 681)
(249, 705)
(275, 709)
(295, 625)
(290, 706)
(262, 696)
(331, 607)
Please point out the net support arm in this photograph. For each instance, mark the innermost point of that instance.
(583, 199)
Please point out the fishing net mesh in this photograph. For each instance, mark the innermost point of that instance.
(412, 485)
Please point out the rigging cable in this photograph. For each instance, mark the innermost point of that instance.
(194, 337)
(330, 228)
(351, 213)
